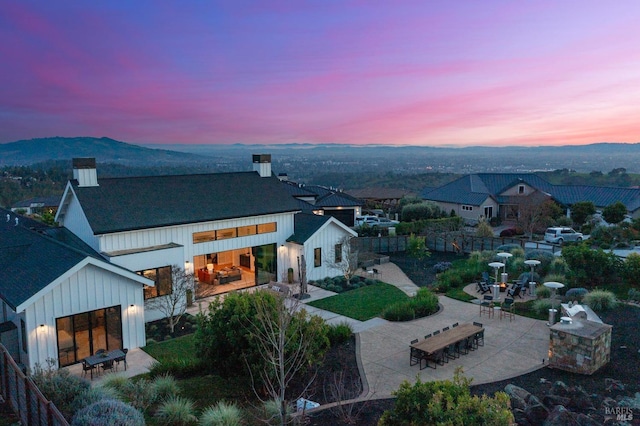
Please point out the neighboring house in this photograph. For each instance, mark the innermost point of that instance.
(503, 195)
(230, 229)
(37, 205)
(325, 201)
(60, 299)
(318, 241)
(385, 198)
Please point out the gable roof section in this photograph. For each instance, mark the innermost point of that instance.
(124, 204)
(306, 225)
(337, 199)
(465, 190)
(598, 195)
(32, 257)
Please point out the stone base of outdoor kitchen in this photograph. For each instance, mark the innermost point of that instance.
(579, 345)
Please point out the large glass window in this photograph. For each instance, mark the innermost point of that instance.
(81, 335)
(338, 253)
(241, 231)
(317, 257)
(266, 263)
(162, 277)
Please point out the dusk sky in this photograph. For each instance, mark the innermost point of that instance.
(432, 73)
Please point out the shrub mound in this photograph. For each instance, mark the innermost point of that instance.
(424, 303)
(108, 412)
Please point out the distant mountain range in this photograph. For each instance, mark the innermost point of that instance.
(105, 150)
(300, 158)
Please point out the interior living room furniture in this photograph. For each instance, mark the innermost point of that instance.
(227, 275)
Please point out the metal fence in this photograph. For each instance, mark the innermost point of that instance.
(24, 397)
(387, 244)
(447, 242)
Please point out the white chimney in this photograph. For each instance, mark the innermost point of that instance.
(262, 164)
(84, 171)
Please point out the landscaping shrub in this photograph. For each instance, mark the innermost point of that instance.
(114, 382)
(141, 394)
(92, 395)
(484, 230)
(631, 269)
(221, 414)
(634, 295)
(543, 292)
(225, 337)
(423, 304)
(449, 279)
(545, 257)
(59, 386)
(446, 402)
(590, 268)
(541, 306)
(177, 367)
(558, 266)
(166, 386)
(399, 311)
(576, 294)
(509, 248)
(601, 300)
(339, 333)
(176, 411)
(441, 267)
(559, 278)
(109, 412)
(271, 413)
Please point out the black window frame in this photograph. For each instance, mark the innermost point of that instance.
(160, 289)
(317, 257)
(337, 250)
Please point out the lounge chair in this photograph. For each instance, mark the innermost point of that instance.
(515, 291)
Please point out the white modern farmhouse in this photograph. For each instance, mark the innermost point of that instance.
(67, 292)
(60, 299)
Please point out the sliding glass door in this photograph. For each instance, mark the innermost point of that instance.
(266, 263)
(81, 335)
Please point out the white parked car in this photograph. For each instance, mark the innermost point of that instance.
(559, 235)
(382, 222)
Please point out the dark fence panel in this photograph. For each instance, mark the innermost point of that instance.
(387, 244)
(24, 397)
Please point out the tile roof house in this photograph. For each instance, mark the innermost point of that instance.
(61, 298)
(487, 195)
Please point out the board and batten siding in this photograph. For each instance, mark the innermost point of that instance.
(76, 221)
(326, 238)
(183, 235)
(88, 289)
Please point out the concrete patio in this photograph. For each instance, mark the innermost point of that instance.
(138, 362)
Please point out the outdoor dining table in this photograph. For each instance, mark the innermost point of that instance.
(97, 359)
(440, 341)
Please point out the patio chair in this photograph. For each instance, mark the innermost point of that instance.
(515, 291)
(414, 354)
(455, 325)
(507, 308)
(450, 351)
(478, 338)
(122, 359)
(437, 357)
(376, 273)
(483, 287)
(107, 366)
(435, 333)
(486, 305)
(86, 367)
(445, 329)
(427, 336)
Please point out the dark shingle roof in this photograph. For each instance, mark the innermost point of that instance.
(598, 195)
(31, 257)
(338, 199)
(53, 201)
(122, 204)
(306, 225)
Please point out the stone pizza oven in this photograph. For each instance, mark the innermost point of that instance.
(579, 345)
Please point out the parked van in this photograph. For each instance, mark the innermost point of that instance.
(559, 235)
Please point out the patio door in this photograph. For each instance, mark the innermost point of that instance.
(266, 263)
(81, 335)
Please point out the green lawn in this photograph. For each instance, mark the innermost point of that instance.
(179, 348)
(363, 303)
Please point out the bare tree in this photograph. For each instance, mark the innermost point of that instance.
(344, 257)
(288, 344)
(174, 304)
(534, 212)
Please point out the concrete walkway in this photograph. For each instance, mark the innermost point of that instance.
(511, 348)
